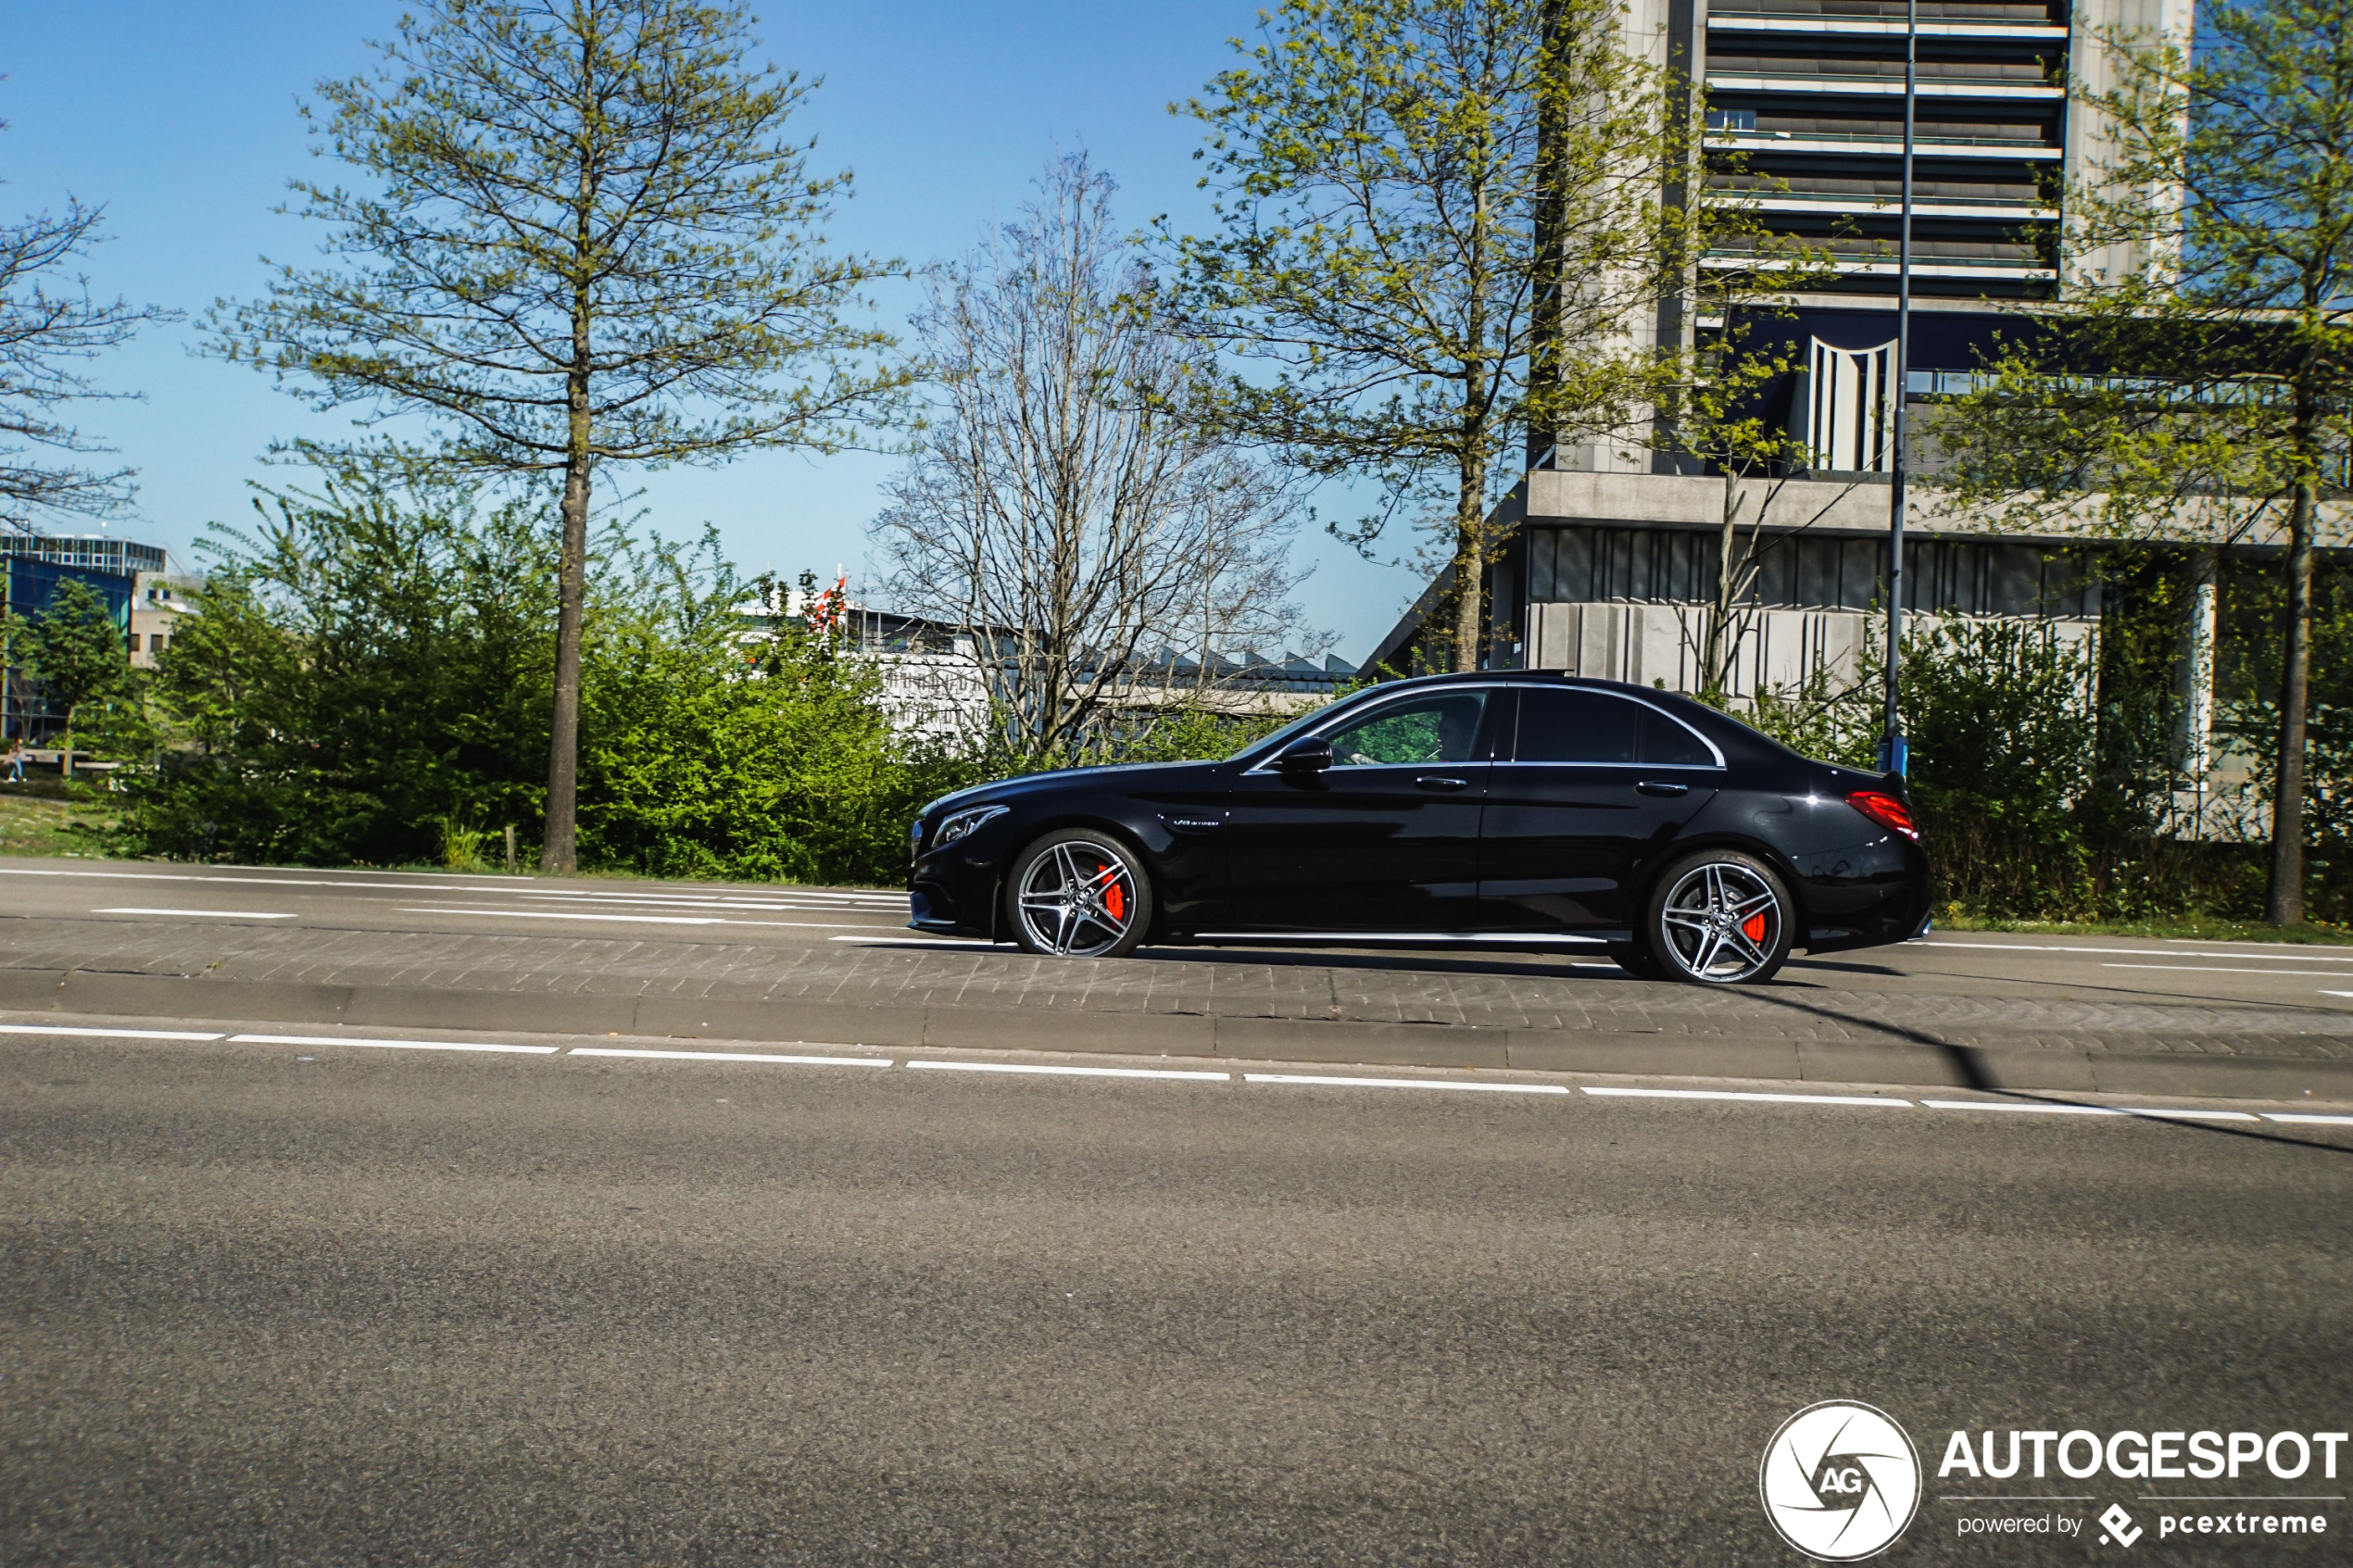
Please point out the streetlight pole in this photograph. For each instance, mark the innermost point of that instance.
(1892, 750)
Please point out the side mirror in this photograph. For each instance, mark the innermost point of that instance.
(1304, 759)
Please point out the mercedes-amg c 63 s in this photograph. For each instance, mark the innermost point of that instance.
(1510, 809)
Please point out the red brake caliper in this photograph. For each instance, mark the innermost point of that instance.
(1115, 901)
(1754, 927)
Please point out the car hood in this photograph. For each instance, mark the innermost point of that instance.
(1118, 775)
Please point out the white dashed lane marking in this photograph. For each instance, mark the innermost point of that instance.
(394, 1045)
(639, 920)
(2337, 957)
(105, 1033)
(1321, 1080)
(2223, 968)
(734, 1056)
(212, 914)
(1400, 1083)
(2048, 1108)
(1071, 1072)
(1749, 1095)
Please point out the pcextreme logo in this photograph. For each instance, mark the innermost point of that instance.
(1840, 1481)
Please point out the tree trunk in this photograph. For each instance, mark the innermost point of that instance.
(2285, 906)
(1470, 560)
(559, 853)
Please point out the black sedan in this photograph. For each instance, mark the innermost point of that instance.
(1520, 810)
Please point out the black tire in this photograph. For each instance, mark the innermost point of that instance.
(1719, 917)
(1078, 894)
(1637, 961)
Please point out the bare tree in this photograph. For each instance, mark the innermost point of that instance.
(50, 326)
(1061, 505)
(585, 237)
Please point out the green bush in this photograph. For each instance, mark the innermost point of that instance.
(366, 678)
(2036, 801)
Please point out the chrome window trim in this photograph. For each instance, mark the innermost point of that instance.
(1352, 715)
(1713, 749)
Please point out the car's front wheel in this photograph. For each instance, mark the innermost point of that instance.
(1077, 894)
(1720, 917)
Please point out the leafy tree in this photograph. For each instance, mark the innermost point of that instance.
(75, 649)
(583, 236)
(49, 324)
(1442, 224)
(2201, 396)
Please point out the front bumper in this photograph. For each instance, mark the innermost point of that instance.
(952, 892)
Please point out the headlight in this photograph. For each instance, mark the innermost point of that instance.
(961, 824)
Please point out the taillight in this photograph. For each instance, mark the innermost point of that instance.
(1886, 810)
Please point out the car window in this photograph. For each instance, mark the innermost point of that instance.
(1566, 724)
(1667, 742)
(1439, 728)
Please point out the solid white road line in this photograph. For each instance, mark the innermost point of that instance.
(638, 920)
(1400, 1083)
(1070, 1072)
(919, 942)
(2308, 1117)
(216, 915)
(105, 1033)
(736, 1056)
(1729, 1094)
(396, 1045)
(2220, 969)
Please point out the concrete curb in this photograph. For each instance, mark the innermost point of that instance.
(1888, 1061)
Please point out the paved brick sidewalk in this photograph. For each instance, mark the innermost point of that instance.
(1510, 996)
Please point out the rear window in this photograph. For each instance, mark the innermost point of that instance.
(1567, 725)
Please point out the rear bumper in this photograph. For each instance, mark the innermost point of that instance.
(1865, 896)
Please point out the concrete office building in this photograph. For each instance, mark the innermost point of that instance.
(1617, 553)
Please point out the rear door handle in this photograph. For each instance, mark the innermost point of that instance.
(1432, 781)
(1653, 787)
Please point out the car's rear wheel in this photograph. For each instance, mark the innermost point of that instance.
(1077, 894)
(1720, 917)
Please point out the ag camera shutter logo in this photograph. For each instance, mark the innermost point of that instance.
(1840, 1481)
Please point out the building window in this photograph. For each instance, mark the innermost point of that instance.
(154, 642)
(1731, 120)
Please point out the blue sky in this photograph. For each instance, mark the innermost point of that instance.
(181, 118)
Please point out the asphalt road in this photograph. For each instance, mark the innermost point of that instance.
(280, 1302)
(2058, 969)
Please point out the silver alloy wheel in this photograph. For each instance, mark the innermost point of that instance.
(1078, 899)
(1723, 922)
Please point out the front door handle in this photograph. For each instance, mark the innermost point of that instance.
(1654, 786)
(1433, 781)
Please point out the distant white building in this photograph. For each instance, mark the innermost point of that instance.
(935, 677)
